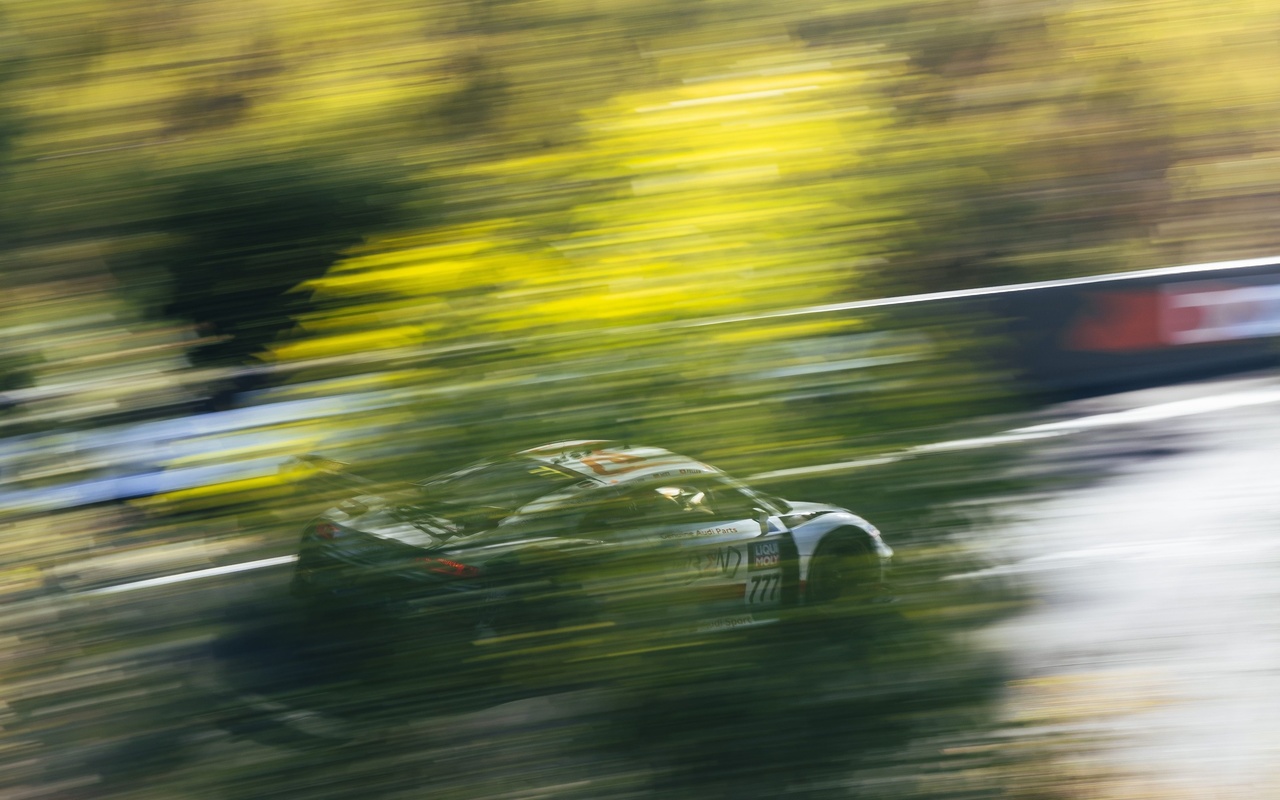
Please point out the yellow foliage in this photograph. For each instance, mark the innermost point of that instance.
(354, 343)
(219, 495)
(716, 196)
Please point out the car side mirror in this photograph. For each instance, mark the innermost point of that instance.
(762, 517)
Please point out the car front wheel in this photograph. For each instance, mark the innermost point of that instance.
(845, 568)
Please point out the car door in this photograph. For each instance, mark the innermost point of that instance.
(718, 548)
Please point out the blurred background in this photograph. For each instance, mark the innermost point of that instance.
(411, 233)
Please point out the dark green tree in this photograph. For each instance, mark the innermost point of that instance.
(247, 232)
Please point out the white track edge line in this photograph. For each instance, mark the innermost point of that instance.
(182, 577)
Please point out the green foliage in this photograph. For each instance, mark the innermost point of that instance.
(961, 143)
(500, 223)
(729, 193)
(247, 232)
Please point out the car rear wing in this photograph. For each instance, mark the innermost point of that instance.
(330, 472)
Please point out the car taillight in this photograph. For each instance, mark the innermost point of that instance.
(325, 530)
(444, 566)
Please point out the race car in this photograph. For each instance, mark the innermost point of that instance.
(588, 530)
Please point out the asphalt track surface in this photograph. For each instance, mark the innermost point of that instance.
(1158, 576)
(1153, 560)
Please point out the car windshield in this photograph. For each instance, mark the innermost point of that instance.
(505, 485)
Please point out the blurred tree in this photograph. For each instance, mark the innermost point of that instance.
(1209, 78)
(1015, 160)
(246, 232)
(742, 187)
(964, 143)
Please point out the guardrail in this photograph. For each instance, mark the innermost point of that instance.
(1102, 333)
(1143, 328)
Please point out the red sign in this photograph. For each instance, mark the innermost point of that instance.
(1175, 314)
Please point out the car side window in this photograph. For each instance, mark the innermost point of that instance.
(730, 502)
(674, 503)
(607, 517)
(644, 507)
(693, 501)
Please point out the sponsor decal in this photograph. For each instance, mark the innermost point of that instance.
(763, 555)
(1175, 314)
(716, 531)
(601, 462)
(724, 623)
(723, 561)
(668, 473)
(1219, 311)
(607, 462)
(1116, 322)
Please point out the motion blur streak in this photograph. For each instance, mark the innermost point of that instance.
(1177, 408)
(794, 240)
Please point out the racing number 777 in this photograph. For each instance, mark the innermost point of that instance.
(763, 587)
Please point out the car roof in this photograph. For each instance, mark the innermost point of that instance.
(610, 463)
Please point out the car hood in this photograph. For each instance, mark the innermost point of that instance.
(801, 507)
(803, 510)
